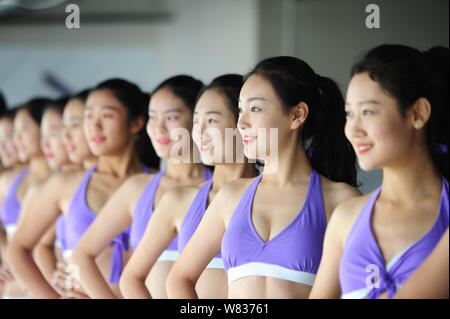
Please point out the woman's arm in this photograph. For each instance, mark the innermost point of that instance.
(326, 284)
(40, 210)
(160, 231)
(203, 246)
(44, 254)
(113, 219)
(430, 280)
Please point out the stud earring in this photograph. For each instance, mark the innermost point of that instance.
(417, 125)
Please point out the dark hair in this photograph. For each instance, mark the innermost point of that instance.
(82, 96)
(408, 74)
(3, 106)
(57, 105)
(183, 86)
(36, 108)
(9, 114)
(135, 102)
(229, 85)
(294, 81)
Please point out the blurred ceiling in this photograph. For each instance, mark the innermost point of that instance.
(44, 12)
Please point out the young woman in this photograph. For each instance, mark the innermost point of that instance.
(27, 124)
(11, 167)
(170, 109)
(269, 229)
(397, 120)
(67, 136)
(216, 109)
(113, 116)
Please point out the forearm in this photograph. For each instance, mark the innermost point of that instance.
(21, 261)
(133, 287)
(179, 287)
(46, 260)
(91, 278)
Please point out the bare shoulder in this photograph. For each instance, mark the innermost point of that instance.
(236, 188)
(335, 193)
(346, 213)
(177, 200)
(137, 182)
(6, 178)
(230, 195)
(63, 180)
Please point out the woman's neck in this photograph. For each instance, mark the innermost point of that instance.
(120, 166)
(410, 179)
(38, 166)
(224, 173)
(291, 165)
(90, 162)
(183, 171)
(69, 166)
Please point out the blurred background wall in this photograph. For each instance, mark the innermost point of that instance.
(146, 41)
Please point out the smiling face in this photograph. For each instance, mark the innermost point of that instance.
(378, 132)
(51, 139)
(26, 136)
(166, 112)
(105, 124)
(74, 139)
(212, 116)
(259, 110)
(8, 152)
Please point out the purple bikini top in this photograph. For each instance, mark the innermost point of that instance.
(11, 207)
(193, 218)
(78, 219)
(144, 210)
(294, 254)
(362, 261)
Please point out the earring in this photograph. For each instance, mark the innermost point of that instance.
(417, 125)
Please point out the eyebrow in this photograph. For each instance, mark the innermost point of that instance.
(365, 102)
(254, 98)
(168, 111)
(209, 112)
(109, 107)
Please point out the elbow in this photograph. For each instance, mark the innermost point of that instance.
(13, 252)
(123, 283)
(174, 282)
(79, 256)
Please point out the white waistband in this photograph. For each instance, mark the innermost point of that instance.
(57, 243)
(216, 263)
(169, 255)
(356, 294)
(10, 228)
(270, 270)
(67, 253)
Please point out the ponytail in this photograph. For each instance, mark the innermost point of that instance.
(330, 152)
(436, 63)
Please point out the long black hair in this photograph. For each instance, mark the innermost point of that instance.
(408, 74)
(294, 81)
(135, 102)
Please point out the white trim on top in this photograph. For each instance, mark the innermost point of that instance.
(169, 255)
(270, 270)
